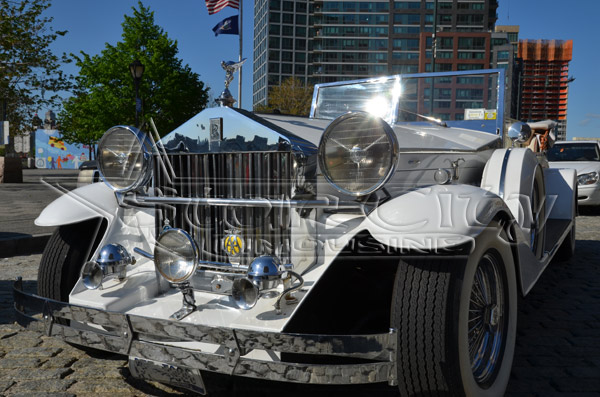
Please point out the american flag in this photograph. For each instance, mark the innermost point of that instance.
(215, 6)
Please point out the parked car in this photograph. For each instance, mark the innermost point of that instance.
(364, 244)
(88, 173)
(584, 158)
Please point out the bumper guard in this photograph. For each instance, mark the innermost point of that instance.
(141, 337)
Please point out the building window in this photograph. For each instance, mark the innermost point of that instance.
(275, 4)
(471, 43)
(300, 19)
(286, 56)
(273, 55)
(407, 19)
(287, 44)
(286, 68)
(274, 29)
(274, 17)
(273, 67)
(274, 42)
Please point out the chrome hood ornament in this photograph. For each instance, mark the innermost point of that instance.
(230, 67)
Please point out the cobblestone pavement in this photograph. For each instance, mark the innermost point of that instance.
(557, 353)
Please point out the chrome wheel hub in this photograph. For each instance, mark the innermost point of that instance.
(487, 320)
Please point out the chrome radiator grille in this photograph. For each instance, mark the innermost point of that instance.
(264, 231)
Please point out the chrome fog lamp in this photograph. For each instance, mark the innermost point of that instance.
(358, 153)
(112, 261)
(175, 255)
(125, 158)
(176, 260)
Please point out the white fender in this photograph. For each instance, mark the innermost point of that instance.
(87, 202)
(510, 175)
(433, 218)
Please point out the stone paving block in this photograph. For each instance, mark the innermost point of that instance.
(36, 387)
(529, 386)
(580, 385)
(59, 362)
(98, 372)
(21, 374)
(99, 386)
(91, 362)
(39, 352)
(6, 384)
(542, 372)
(11, 363)
(43, 394)
(584, 372)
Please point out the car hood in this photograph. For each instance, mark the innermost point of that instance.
(411, 137)
(582, 167)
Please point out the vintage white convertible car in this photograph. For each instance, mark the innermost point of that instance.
(364, 244)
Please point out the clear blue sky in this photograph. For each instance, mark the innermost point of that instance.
(93, 23)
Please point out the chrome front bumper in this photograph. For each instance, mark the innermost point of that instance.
(147, 340)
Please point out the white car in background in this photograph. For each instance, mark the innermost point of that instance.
(584, 157)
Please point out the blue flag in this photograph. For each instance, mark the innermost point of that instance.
(227, 26)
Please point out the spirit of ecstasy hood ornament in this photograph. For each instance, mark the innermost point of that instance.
(230, 67)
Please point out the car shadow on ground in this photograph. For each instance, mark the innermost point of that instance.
(589, 210)
(7, 310)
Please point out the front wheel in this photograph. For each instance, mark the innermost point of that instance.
(64, 255)
(456, 320)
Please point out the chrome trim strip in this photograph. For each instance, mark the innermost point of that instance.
(141, 337)
(143, 253)
(503, 173)
(239, 202)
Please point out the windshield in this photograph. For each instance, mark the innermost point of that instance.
(472, 99)
(574, 152)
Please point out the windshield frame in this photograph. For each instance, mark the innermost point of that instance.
(391, 116)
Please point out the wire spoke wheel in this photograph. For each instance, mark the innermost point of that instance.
(487, 320)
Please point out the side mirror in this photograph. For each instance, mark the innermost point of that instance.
(519, 132)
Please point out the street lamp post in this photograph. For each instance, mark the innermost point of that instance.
(137, 70)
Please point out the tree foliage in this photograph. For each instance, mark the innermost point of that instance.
(30, 75)
(105, 93)
(291, 97)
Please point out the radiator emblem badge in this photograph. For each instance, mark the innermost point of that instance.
(233, 245)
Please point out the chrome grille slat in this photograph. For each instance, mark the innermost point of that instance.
(228, 176)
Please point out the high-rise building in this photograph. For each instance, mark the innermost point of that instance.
(545, 80)
(322, 41)
(281, 31)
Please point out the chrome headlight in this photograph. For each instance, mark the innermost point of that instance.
(175, 255)
(358, 153)
(587, 179)
(125, 158)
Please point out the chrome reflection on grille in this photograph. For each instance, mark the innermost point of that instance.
(265, 231)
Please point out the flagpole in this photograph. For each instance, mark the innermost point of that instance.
(240, 58)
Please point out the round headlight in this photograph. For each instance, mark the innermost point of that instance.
(358, 153)
(175, 255)
(124, 158)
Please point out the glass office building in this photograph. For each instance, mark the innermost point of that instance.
(324, 41)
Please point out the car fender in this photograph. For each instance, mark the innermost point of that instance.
(87, 202)
(510, 173)
(434, 218)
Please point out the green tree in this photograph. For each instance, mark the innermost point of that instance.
(105, 94)
(291, 97)
(30, 75)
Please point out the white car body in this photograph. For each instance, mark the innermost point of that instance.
(452, 197)
(588, 193)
